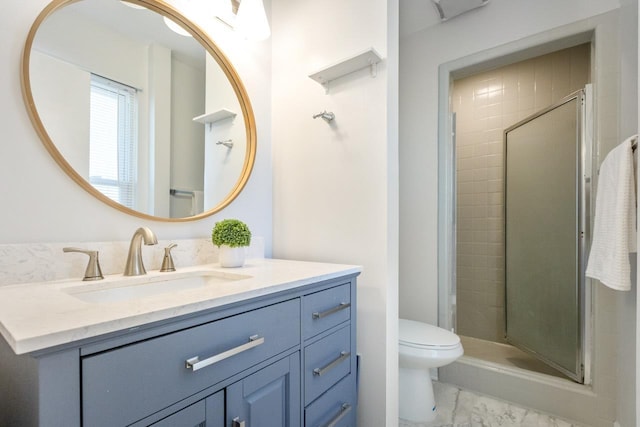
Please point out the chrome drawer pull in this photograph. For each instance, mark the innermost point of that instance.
(195, 363)
(321, 371)
(344, 410)
(237, 423)
(336, 309)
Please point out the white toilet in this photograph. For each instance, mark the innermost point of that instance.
(422, 346)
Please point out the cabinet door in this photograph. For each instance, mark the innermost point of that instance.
(208, 412)
(268, 398)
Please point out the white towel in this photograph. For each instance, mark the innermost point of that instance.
(614, 234)
(197, 202)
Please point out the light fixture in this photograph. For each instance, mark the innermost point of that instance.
(246, 17)
(191, 9)
(251, 20)
(221, 7)
(447, 9)
(225, 11)
(199, 11)
(175, 27)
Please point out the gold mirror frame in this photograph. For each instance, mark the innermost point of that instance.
(200, 36)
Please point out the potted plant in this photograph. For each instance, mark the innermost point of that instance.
(231, 236)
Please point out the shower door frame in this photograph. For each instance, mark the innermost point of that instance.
(583, 232)
(466, 66)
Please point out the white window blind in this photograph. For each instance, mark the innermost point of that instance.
(113, 140)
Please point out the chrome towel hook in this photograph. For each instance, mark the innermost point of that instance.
(228, 143)
(326, 116)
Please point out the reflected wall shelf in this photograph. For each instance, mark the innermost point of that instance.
(369, 58)
(215, 116)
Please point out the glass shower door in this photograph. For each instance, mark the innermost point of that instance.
(543, 235)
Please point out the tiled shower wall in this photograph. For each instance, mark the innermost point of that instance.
(485, 104)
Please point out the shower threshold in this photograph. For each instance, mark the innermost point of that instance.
(507, 355)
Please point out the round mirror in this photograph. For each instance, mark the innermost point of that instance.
(152, 121)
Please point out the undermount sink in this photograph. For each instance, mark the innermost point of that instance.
(131, 288)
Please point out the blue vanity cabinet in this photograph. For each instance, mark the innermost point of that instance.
(330, 363)
(282, 359)
(208, 412)
(268, 398)
(123, 385)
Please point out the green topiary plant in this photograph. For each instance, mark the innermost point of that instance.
(231, 232)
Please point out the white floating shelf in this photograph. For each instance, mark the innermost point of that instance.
(365, 59)
(215, 116)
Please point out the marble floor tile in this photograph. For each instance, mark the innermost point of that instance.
(463, 408)
(477, 410)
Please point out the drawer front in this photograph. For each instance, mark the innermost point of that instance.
(192, 416)
(325, 309)
(126, 384)
(326, 362)
(335, 408)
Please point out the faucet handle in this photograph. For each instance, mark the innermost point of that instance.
(93, 271)
(167, 261)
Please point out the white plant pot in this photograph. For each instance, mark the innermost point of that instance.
(231, 257)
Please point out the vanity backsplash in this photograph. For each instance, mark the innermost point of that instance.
(36, 262)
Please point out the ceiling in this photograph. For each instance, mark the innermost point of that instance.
(416, 15)
(143, 25)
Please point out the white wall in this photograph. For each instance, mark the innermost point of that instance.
(160, 114)
(66, 122)
(335, 185)
(41, 204)
(187, 137)
(68, 36)
(222, 165)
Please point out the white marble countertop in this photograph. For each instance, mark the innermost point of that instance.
(37, 316)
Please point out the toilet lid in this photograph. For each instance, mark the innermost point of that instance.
(425, 335)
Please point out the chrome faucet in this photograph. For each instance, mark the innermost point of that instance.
(93, 271)
(135, 266)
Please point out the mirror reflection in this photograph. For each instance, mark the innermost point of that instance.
(145, 116)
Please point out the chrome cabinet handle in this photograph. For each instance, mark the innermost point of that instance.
(195, 363)
(336, 309)
(344, 410)
(237, 423)
(321, 371)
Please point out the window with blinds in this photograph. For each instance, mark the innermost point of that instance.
(113, 140)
